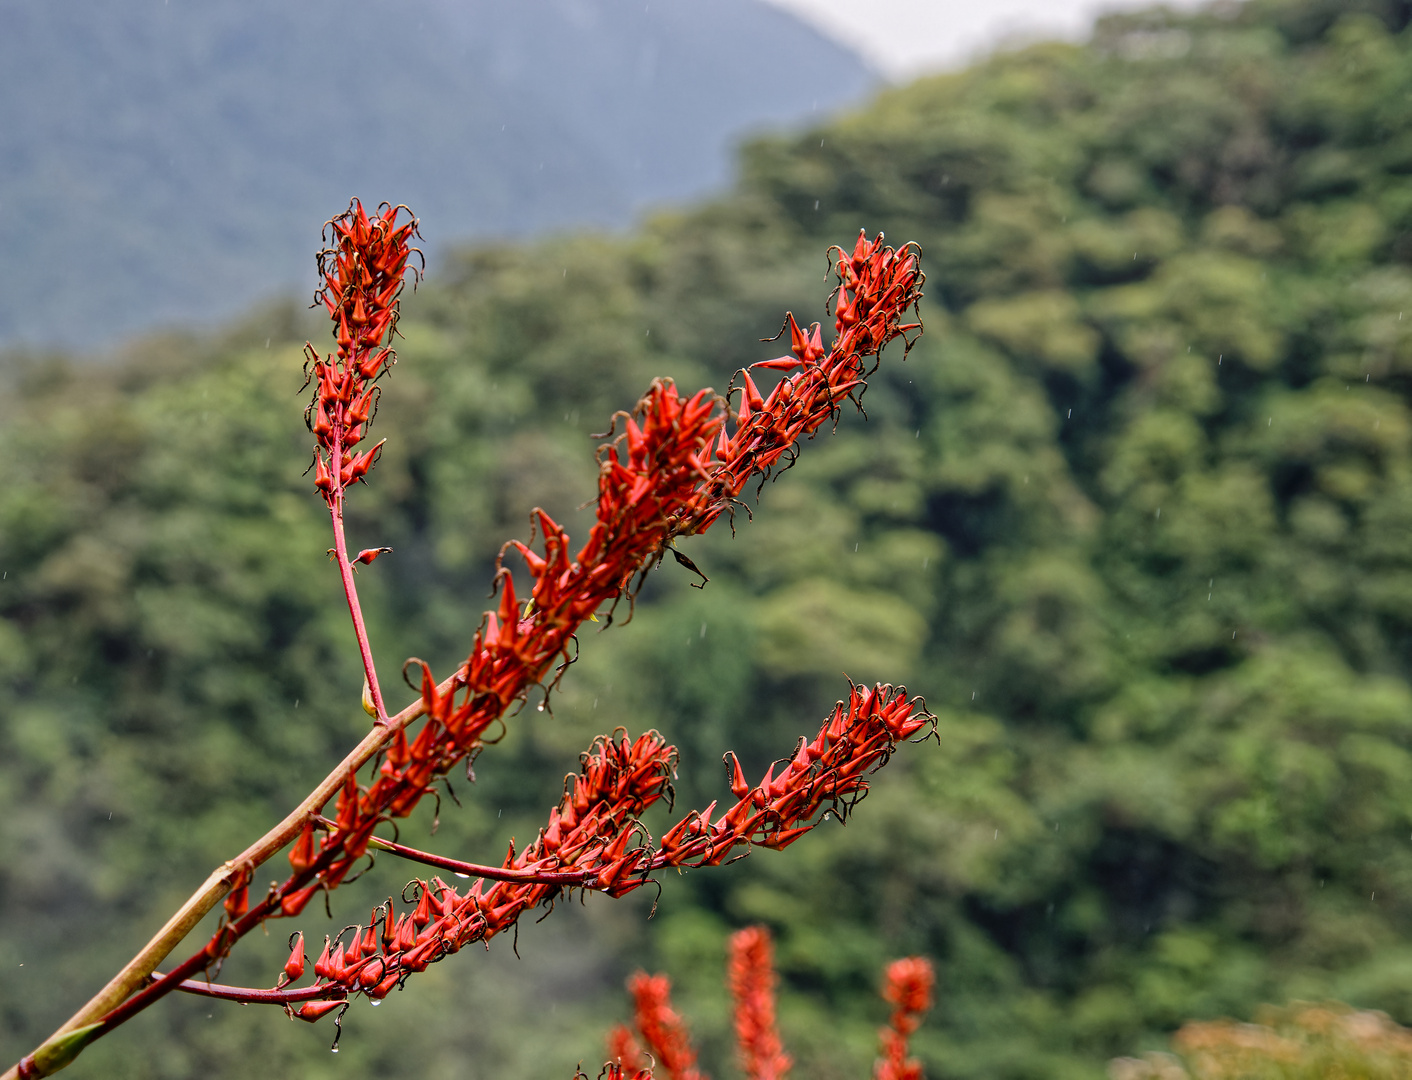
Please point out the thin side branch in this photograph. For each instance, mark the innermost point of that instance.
(565, 879)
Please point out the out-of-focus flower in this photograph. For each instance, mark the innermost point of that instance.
(908, 988)
(750, 973)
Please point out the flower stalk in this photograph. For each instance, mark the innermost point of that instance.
(677, 466)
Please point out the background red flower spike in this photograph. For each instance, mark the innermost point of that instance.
(908, 988)
(750, 974)
(661, 1027)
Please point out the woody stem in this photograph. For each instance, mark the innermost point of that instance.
(136, 974)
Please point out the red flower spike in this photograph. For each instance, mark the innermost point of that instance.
(362, 276)
(909, 989)
(597, 843)
(750, 974)
(751, 979)
(660, 1026)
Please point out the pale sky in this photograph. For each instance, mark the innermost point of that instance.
(903, 38)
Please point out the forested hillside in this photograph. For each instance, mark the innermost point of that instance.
(1135, 516)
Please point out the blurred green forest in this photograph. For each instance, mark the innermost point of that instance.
(1134, 516)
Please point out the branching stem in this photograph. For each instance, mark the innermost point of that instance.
(137, 973)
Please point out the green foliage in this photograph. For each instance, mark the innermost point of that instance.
(1134, 516)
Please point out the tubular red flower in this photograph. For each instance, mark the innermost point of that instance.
(750, 973)
(908, 988)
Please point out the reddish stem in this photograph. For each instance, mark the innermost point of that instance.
(249, 996)
(530, 876)
(350, 587)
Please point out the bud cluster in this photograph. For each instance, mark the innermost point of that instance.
(362, 274)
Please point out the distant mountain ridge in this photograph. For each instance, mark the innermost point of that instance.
(170, 161)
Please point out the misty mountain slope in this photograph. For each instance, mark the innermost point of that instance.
(171, 161)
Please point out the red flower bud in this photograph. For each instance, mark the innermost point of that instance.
(294, 966)
(317, 1010)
